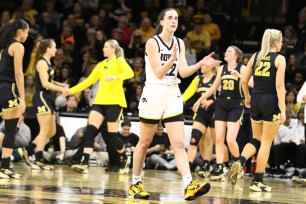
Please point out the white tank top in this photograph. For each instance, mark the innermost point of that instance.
(165, 53)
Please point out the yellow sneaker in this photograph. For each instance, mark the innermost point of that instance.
(125, 165)
(12, 174)
(137, 191)
(81, 168)
(38, 165)
(196, 189)
(260, 187)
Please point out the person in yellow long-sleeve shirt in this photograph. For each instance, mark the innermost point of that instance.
(108, 104)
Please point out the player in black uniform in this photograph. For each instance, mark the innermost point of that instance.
(228, 107)
(267, 105)
(42, 100)
(203, 123)
(12, 103)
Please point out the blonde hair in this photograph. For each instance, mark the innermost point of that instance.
(118, 50)
(269, 38)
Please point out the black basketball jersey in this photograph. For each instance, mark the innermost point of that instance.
(230, 85)
(203, 87)
(7, 72)
(264, 75)
(39, 86)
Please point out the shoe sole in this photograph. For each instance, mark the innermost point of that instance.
(25, 156)
(302, 182)
(258, 189)
(233, 172)
(201, 191)
(203, 174)
(139, 197)
(80, 170)
(48, 168)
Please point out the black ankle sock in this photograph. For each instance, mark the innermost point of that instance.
(235, 158)
(85, 158)
(39, 156)
(226, 164)
(191, 167)
(5, 162)
(242, 160)
(30, 148)
(258, 177)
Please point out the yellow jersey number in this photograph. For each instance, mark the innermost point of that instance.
(228, 85)
(263, 69)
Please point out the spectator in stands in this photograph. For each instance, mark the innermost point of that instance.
(289, 147)
(146, 28)
(22, 138)
(29, 90)
(84, 103)
(302, 57)
(47, 28)
(301, 98)
(190, 52)
(185, 21)
(160, 155)
(298, 80)
(129, 139)
(200, 39)
(56, 146)
(55, 16)
(99, 42)
(5, 18)
(136, 45)
(292, 67)
(133, 101)
(127, 31)
(65, 76)
(31, 66)
(212, 28)
(245, 61)
(94, 22)
(289, 40)
(89, 45)
(80, 16)
(139, 75)
(71, 105)
(29, 12)
(291, 104)
(58, 63)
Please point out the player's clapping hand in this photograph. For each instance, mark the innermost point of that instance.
(210, 61)
(174, 51)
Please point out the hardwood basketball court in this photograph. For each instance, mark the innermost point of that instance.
(65, 186)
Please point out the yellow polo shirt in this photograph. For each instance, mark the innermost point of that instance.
(109, 92)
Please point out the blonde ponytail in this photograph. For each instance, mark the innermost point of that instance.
(270, 37)
(118, 50)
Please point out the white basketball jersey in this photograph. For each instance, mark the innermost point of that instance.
(165, 53)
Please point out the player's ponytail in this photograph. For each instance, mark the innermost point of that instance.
(269, 38)
(118, 50)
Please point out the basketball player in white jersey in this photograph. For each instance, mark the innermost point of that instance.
(161, 101)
